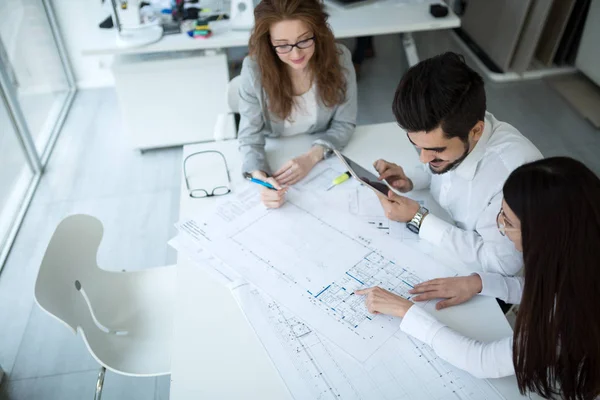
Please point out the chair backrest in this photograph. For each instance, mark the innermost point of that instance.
(69, 265)
(233, 97)
(124, 318)
(72, 288)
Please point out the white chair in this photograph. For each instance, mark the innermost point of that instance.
(226, 125)
(233, 96)
(124, 318)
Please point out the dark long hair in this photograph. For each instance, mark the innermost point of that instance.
(556, 348)
(324, 64)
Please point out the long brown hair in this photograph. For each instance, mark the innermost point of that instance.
(556, 348)
(324, 64)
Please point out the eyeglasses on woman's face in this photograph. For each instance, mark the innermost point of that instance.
(303, 44)
(504, 225)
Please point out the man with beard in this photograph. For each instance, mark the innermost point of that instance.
(467, 156)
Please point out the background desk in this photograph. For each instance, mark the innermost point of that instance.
(168, 100)
(216, 354)
(377, 18)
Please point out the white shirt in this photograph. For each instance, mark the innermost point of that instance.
(472, 194)
(304, 114)
(482, 360)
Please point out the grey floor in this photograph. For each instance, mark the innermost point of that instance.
(93, 171)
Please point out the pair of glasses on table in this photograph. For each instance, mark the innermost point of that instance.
(199, 193)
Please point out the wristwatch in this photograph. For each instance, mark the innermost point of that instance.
(414, 225)
(326, 151)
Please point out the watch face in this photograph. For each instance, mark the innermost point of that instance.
(412, 228)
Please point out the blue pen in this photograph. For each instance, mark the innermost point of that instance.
(258, 181)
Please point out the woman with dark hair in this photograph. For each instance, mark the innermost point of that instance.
(551, 212)
(295, 80)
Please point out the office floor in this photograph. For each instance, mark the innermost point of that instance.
(92, 170)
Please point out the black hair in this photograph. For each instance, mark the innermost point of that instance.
(441, 91)
(556, 345)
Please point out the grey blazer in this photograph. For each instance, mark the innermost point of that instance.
(333, 128)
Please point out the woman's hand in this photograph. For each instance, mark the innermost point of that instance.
(454, 290)
(297, 168)
(380, 301)
(269, 197)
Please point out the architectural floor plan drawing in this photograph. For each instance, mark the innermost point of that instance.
(372, 270)
(314, 368)
(310, 258)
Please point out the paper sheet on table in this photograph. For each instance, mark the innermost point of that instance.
(363, 203)
(358, 199)
(188, 247)
(310, 258)
(314, 368)
(320, 178)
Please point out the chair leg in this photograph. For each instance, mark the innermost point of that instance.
(99, 384)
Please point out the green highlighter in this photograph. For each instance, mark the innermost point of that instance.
(340, 179)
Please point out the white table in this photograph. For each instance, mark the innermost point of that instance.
(216, 354)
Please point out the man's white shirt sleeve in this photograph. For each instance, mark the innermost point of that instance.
(483, 246)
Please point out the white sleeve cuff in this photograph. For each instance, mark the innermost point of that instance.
(492, 285)
(506, 288)
(433, 229)
(420, 324)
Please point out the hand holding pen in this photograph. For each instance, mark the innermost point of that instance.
(272, 194)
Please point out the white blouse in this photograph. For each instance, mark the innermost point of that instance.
(304, 114)
(482, 360)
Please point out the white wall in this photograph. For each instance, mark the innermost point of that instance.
(78, 20)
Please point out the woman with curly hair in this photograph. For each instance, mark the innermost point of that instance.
(296, 80)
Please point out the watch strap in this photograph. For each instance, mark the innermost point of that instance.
(417, 220)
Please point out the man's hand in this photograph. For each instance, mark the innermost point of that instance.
(399, 208)
(297, 168)
(394, 175)
(454, 290)
(380, 301)
(269, 197)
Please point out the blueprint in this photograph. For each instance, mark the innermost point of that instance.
(358, 200)
(308, 361)
(219, 272)
(310, 258)
(314, 368)
(365, 205)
